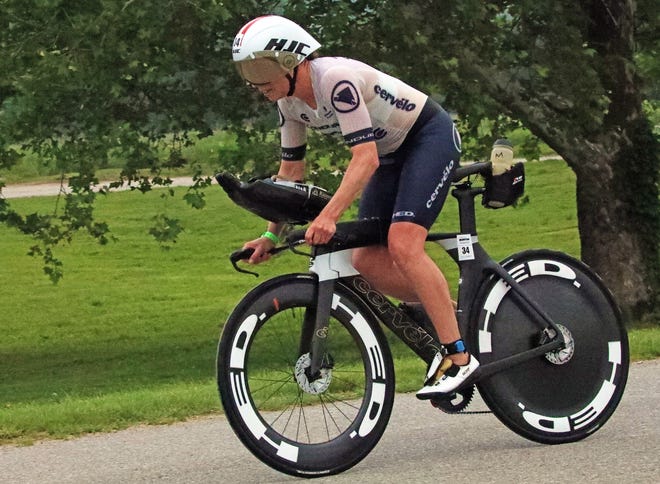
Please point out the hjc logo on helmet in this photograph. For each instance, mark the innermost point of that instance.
(294, 46)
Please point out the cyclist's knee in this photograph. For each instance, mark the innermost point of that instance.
(406, 242)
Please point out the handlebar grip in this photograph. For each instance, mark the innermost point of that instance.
(296, 236)
(241, 254)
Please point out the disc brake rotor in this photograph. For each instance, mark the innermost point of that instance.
(314, 387)
(562, 355)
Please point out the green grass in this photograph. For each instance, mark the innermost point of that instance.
(30, 168)
(129, 335)
(644, 343)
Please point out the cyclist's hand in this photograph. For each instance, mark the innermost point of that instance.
(321, 230)
(261, 247)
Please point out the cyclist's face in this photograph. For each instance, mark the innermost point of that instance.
(266, 75)
(273, 90)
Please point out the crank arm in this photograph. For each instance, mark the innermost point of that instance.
(484, 371)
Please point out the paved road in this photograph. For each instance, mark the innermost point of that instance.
(421, 444)
(24, 190)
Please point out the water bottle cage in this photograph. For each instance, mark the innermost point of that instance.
(504, 189)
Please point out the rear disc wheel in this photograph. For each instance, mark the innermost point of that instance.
(567, 394)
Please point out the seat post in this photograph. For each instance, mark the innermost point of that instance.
(465, 195)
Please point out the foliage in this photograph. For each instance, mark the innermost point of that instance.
(86, 81)
(83, 81)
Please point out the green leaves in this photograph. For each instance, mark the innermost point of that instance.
(165, 230)
(86, 82)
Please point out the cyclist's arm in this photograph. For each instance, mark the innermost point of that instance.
(291, 171)
(362, 166)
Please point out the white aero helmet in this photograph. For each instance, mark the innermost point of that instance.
(269, 47)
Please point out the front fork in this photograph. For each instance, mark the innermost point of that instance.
(327, 266)
(315, 330)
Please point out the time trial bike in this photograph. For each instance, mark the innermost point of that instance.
(306, 376)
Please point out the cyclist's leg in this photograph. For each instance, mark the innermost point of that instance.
(425, 280)
(375, 262)
(415, 277)
(376, 265)
(425, 168)
(423, 188)
(424, 283)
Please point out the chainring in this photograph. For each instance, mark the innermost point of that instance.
(456, 402)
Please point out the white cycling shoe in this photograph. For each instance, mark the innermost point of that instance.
(444, 376)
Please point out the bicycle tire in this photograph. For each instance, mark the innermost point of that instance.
(559, 397)
(286, 427)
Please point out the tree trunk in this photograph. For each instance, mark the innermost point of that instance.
(617, 180)
(618, 230)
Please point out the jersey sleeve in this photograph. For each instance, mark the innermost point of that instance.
(343, 90)
(293, 137)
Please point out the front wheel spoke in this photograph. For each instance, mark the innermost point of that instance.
(286, 376)
(328, 415)
(302, 416)
(297, 408)
(333, 401)
(349, 383)
(276, 390)
(269, 382)
(289, 411)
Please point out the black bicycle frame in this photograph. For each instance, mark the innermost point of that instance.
(475, 266)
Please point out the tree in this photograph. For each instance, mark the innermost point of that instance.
(81, 80)
(567, 71)
(84, 80)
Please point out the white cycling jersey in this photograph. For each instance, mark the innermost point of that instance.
(352, 99)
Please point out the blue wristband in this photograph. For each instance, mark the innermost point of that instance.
(456, 347)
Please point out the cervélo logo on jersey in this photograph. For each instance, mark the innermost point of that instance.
(399, 103)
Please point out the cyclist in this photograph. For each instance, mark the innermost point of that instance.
(404, 149)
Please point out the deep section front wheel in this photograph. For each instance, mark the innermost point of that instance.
(567, 394)
(296, 423)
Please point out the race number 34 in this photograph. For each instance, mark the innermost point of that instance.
(465, 250)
